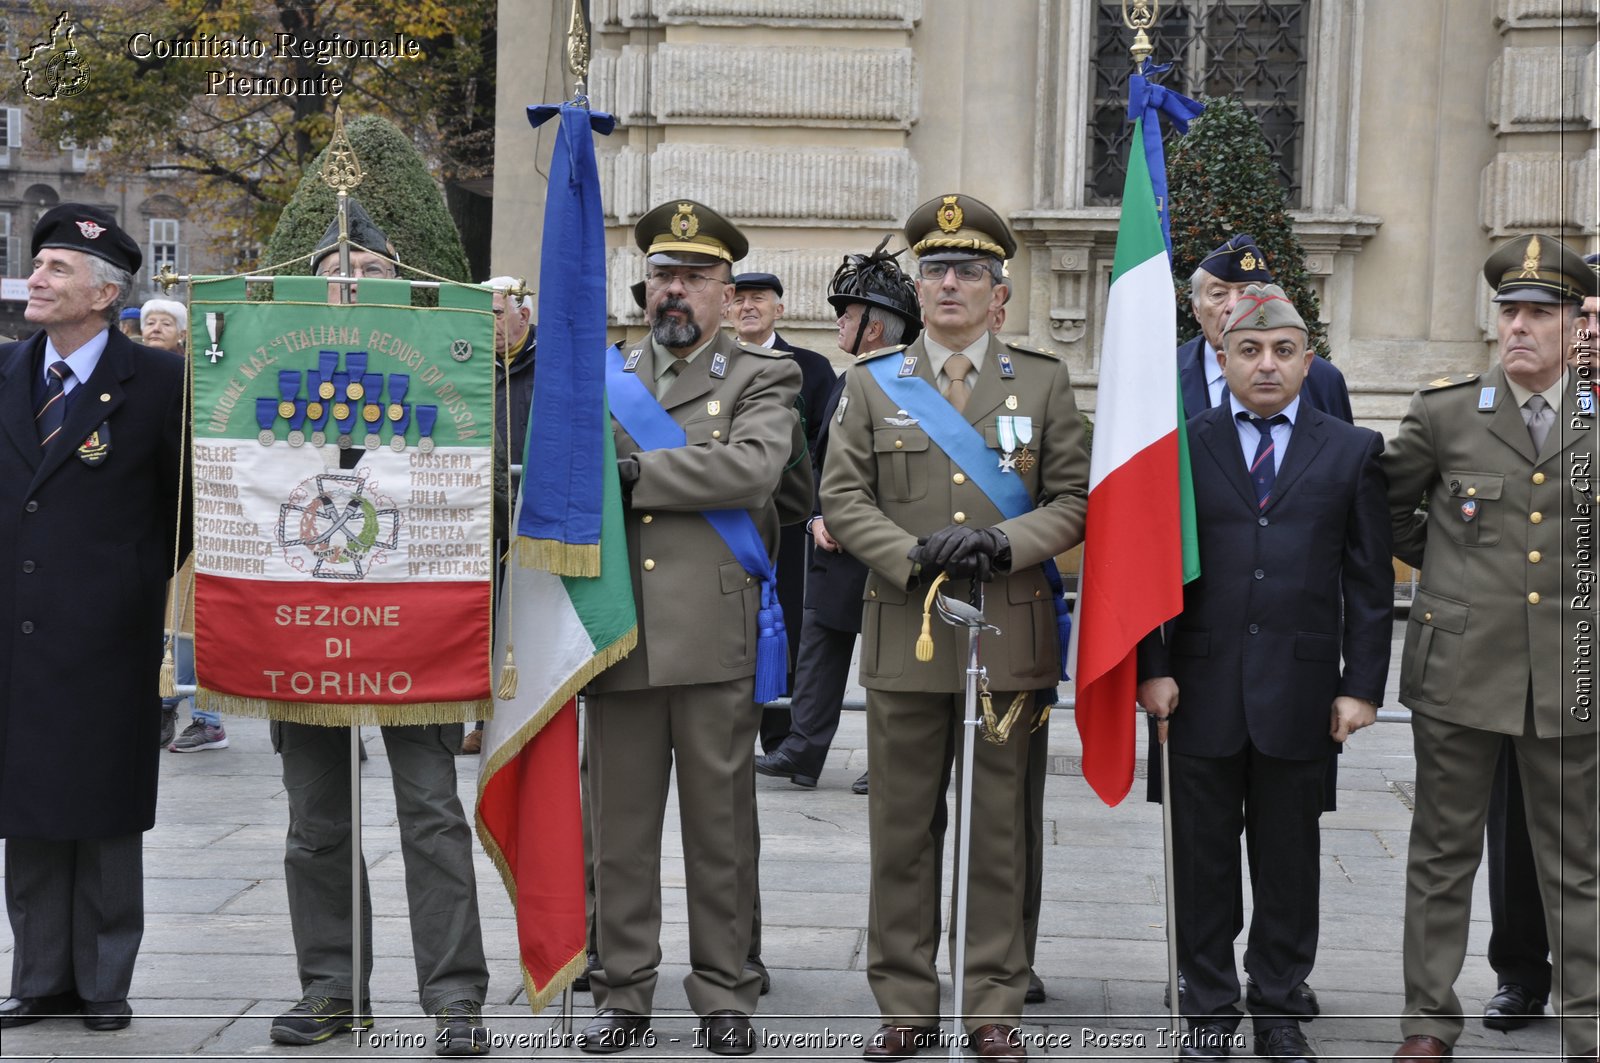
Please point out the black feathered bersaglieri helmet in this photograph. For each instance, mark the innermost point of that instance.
(877, 280)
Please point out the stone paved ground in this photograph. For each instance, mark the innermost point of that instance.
(217, 962)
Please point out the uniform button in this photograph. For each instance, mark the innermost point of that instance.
(872, 594)
(27, 627)
(1538, 477)
(716, 433)
(1535, 517)
(1260, 574)
(1038, 594)
(1255, 629)
(1427, 617)
(959, 518)
(1471, 491)
(1533, 597)
(31, 507)
(27, 566)
(649, 564)
(1262, 521)
(958, 478)
(899, 443)
(646, 519)
(1534, 557)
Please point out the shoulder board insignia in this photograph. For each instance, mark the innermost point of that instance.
(908, 365)
(632, 364)
(1007, 370)
(1450, 381)
(719, 365)
(751, 348)
(880, 352)
(1040, 351)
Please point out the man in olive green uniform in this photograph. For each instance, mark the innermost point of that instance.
(684, 697)
(896, 499)
(1501, 637)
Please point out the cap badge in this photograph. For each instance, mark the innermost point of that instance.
(1247, 261)
(950, 215)
(91, 230)
(1261, 316)
(1530, 259)
(684, 223)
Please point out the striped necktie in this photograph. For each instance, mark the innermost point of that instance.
(1264, 466)
(53, 410)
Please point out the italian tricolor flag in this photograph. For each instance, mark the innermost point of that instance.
(1139, 543)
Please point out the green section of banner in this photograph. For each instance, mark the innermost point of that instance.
(441, 356)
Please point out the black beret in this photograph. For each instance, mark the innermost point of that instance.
(1239, 261)
(92, 230)
(363, 231)
(758, 280)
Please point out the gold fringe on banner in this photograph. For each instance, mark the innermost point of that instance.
(319, 714)
(563, 559)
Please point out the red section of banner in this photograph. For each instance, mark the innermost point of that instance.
(342, 644)
(531, 808)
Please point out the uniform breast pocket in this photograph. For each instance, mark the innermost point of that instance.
(707, 430)
(902, 456)
(1473, 511)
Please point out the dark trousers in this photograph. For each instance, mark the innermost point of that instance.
(77, 915)
(1519, 950)
(1275, 805)
(821, 673)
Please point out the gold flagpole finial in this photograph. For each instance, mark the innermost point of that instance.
(1139, 19)
(578, 45)
(342, 171)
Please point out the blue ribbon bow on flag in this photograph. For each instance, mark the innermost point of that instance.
(1147, 100)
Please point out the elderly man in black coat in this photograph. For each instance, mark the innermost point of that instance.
(90, 457)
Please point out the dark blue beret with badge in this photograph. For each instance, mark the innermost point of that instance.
(92, 230)
(1239, 261)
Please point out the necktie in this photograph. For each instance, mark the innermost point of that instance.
(664, 381)
(956, 368)
(53, 410)
(1538, 416)
(1263, 467)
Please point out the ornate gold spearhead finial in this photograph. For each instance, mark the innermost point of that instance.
(1140, 19)
(578, 43)
(342, 171)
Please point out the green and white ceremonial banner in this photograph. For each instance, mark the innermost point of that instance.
(342, 497)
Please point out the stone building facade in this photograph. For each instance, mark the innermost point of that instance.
(1421, 132)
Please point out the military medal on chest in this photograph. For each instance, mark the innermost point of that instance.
(1015, 433)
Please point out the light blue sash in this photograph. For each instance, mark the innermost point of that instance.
(642, 417)
(965, 446)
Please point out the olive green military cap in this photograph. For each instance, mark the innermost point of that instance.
(955, 227)
(1262, 307)
(1538, 269)
(681, 232)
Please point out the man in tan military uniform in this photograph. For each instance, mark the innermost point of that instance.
(1500, 637)
(893, 498)
(683, 697)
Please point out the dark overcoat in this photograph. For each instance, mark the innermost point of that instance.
(89, 549)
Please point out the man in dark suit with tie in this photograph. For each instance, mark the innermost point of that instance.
(1213, 290)
(1294, 556)
(90, 487)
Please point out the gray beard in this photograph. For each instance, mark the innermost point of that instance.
(671, 334)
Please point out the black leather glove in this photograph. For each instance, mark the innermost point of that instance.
(964, 552)
(628, 474)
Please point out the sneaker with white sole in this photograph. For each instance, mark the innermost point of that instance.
(200, 735)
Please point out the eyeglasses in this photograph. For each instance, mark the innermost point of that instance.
(657, 279)
(966, 271)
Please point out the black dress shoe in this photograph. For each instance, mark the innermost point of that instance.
(107, 1015)
(754, 964)
(780, 765)
(1252, 996)
(728, 1033)
(20, 1011)
(1035, 994)
(1284, 1042)
(615, 1029)
(1166, 991)
(1207, 1041)
(860, 785)
(1512, 1008)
